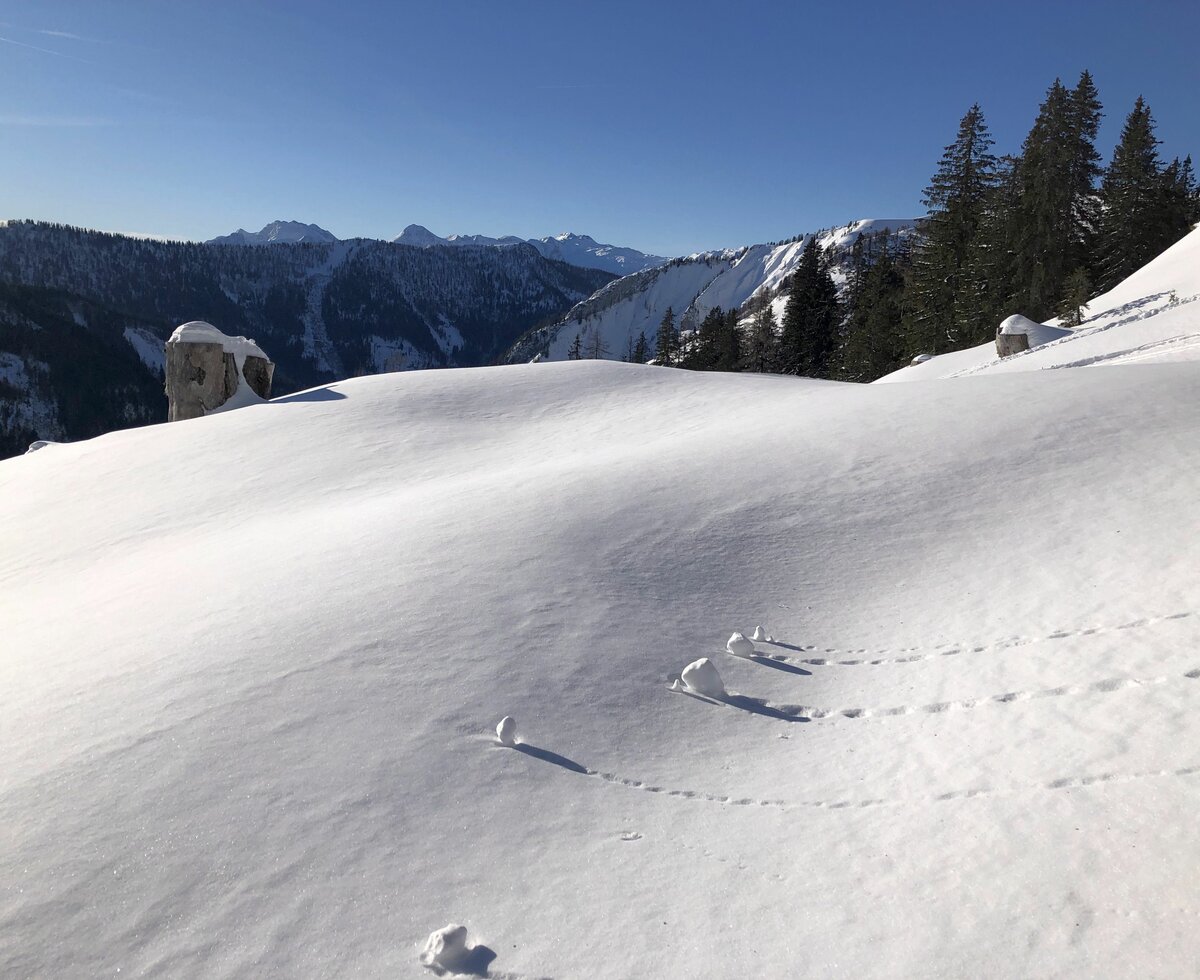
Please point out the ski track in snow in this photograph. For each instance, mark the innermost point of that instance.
(917, 654)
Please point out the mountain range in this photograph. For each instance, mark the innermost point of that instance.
(581, 250)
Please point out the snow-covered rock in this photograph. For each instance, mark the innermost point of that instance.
(1038, 333)
(760, 634)
(446, 949)
(703, 677)
(208, 371)
(506, 731)
(739, 646)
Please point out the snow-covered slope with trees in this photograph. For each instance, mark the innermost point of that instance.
(581, 250)
(276, 233)
(690, 287)
(1154, 315)
(253, 665)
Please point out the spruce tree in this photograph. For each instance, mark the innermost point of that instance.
(1131, 225)
(948, 286)
(810, 319)
(575, 351)
(873, 345)
(761, 343)
(641, 349)
(667, 343)
(1076, 293)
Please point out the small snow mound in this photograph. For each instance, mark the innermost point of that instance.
(760, 634)
(920, 359)
(446, 949)
(1038, 333)
(739, 646)
(506, 731)
(40, 444)
(702, 677)
(201, 332)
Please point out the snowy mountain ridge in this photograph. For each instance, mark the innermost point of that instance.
(580, 250)
(277, 232)
(690, 287)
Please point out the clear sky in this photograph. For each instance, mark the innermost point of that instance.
(668, 126)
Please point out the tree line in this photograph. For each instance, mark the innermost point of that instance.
(1036, 233)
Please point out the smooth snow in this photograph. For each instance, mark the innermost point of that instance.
(231, 746)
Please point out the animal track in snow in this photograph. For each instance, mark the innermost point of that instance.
(917, 654)
(1081, 781)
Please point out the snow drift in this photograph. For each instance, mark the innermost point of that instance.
(231, 746)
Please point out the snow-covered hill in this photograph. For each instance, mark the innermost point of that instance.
(1151, 316)
(252, 663)
(277, 232)
(691, 287)
(580, 250)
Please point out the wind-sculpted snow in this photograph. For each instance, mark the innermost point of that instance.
(253, 667)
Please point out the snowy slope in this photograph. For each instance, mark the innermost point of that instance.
(277, 232)
(1151, 316)
(690, 287)
(580, 250)
(251, 664)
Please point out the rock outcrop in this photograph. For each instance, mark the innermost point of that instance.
(208, 371)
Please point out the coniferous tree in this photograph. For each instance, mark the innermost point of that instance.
(1076, 293)
(1132, 228)
(810, 319)
(667, 344)
(1181, 200)
(947, 287)
(1055, 177)
(596, 347)
(641, 349)
(761, 343)
(575, 351)
(873, 343)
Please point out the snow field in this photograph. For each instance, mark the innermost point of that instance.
(230, 747)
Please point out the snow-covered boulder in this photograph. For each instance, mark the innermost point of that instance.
(446, 949)
(506, 731)
(739, 646)
(208, 371)
(701, 676)
(1019, 333)
(760, 634)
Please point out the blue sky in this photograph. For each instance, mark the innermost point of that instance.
(667, 126)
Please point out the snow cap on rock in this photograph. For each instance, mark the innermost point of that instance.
(506, 731)
(701, 676)
(739, 646)
(1038, 333)
(445, 949)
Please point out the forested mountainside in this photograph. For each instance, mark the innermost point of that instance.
(323, 311)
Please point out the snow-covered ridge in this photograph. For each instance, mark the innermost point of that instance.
(691, 287)
(580, 250)
(277, 232)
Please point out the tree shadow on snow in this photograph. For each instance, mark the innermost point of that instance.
(756, 706)
(545, 755)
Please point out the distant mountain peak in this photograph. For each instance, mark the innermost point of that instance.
(276, 233)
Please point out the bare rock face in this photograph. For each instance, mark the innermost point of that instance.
(207, 371)
(1008, 344)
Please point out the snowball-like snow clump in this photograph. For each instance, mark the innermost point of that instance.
(506, 731)
(701, 676)
(445, 949)
(760, 634)
(1038, 333)
(739, 646)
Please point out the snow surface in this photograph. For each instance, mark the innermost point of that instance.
(252, 664)
(1153, 316)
